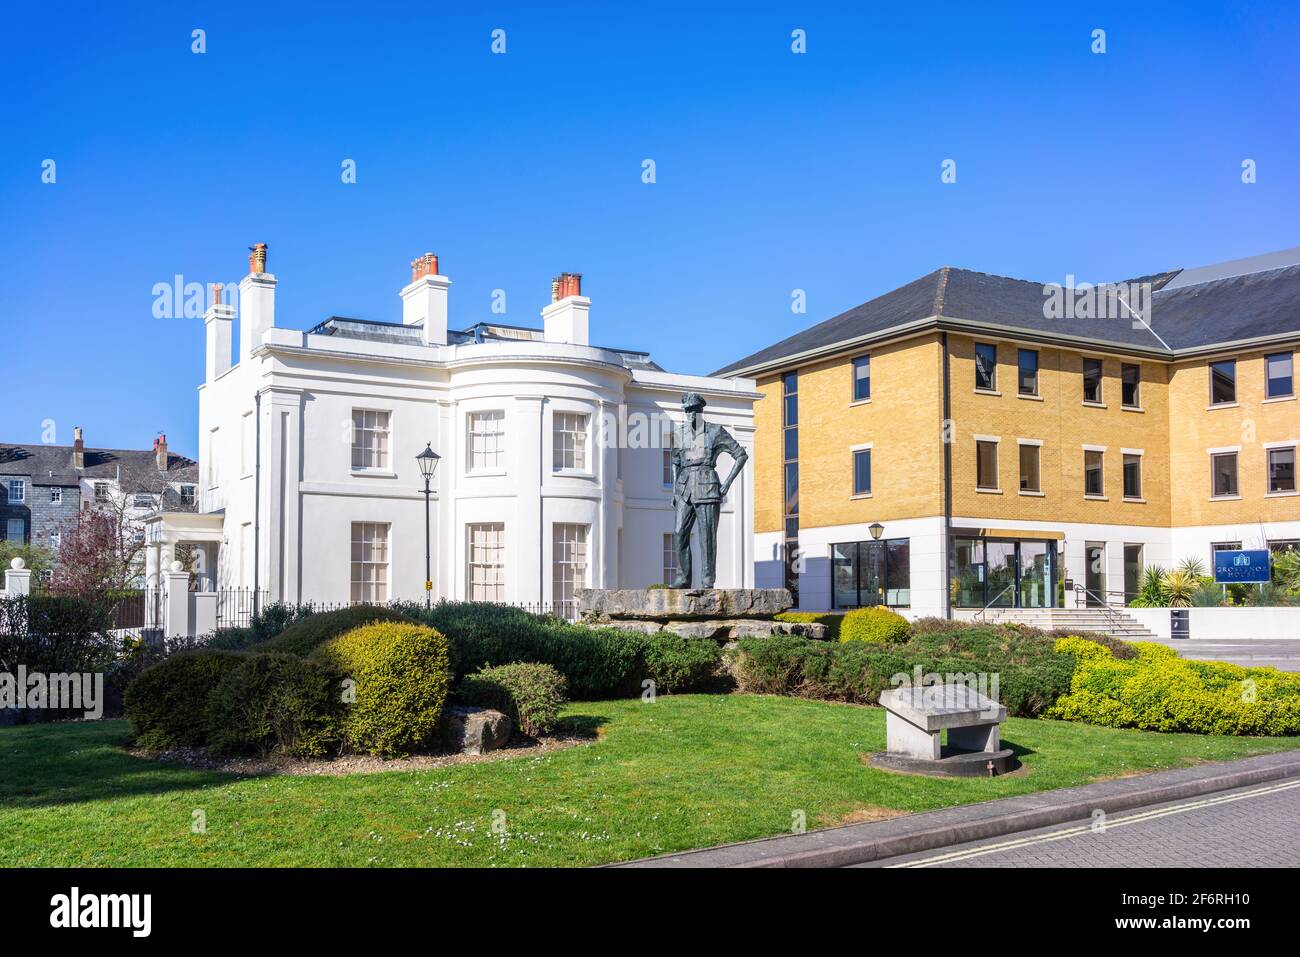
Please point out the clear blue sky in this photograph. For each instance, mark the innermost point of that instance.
(775, 171)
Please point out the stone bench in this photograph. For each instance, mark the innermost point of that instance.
(916, 717)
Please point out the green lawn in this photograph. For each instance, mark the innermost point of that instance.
(686, 771)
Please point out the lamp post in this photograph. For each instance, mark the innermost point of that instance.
(876, 530)
(428, 462)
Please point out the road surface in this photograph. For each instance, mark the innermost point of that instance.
(1256, 826)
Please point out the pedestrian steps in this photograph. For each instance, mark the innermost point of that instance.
(1082, 621)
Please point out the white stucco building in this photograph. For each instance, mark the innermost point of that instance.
(551, 473)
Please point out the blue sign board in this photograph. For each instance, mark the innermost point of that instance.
(1238, 567)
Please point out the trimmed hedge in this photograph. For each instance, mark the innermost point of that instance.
(54, 634)
(677, 664)
(531, 694)
(595, 662)
(1031, 673)
(401, 672)
(831, 621)
(232, 638)
(167, 703)
(276, 703)
(271, 620)
(1158, 691)
(878, 625)
(311, 631)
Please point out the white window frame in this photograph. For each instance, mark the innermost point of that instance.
(670, 559)
(56, 495)
(492, 441)
(371, 562)
(372, 440)
(485, 563)
(571, 441)
(193, 493)
(21, 485)
(107, 493)
(22, 530)
(570, 562)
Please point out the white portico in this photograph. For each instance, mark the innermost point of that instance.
(551, 474)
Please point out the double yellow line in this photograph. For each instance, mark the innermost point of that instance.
(1089, 828)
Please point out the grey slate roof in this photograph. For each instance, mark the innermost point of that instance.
(1217, 311)
(136, 469)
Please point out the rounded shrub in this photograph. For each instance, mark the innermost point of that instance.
(531, 694)
(399, 674)
(307, 634)
(276, 703)
(166, 704)
(877, 625)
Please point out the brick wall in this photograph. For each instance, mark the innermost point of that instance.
(1194, 428)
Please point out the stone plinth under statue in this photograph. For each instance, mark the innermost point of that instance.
(724, 614)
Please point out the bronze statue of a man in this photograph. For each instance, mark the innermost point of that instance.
(697, 493)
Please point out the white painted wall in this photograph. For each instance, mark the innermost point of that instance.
(310, 494)
(1225, 623)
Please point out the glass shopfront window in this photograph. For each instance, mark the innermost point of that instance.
(1002, 573)
(871, 573)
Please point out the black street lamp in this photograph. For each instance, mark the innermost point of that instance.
(875, 528)
(428, 462)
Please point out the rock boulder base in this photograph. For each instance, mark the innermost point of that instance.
(683, 604)
(723, 614)
(475, 730)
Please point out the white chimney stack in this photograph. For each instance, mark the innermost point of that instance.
(424, 301)
(219, 324)
(565, 319)
(256, 302)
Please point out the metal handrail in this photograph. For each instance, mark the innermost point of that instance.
(981, 614)
(1112, 616)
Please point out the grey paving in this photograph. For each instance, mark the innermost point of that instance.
(1257, 826)
(1280, 653)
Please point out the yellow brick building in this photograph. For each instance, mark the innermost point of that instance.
(971, 441)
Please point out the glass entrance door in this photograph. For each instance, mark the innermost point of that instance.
(1001, 576)
(1035, 575)
(1094, 576)
(1003, 573)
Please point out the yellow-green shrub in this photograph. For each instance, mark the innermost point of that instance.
(878, 625)
(401, 672)
(1158, 691)
(1082, 648)
(1154, 651)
